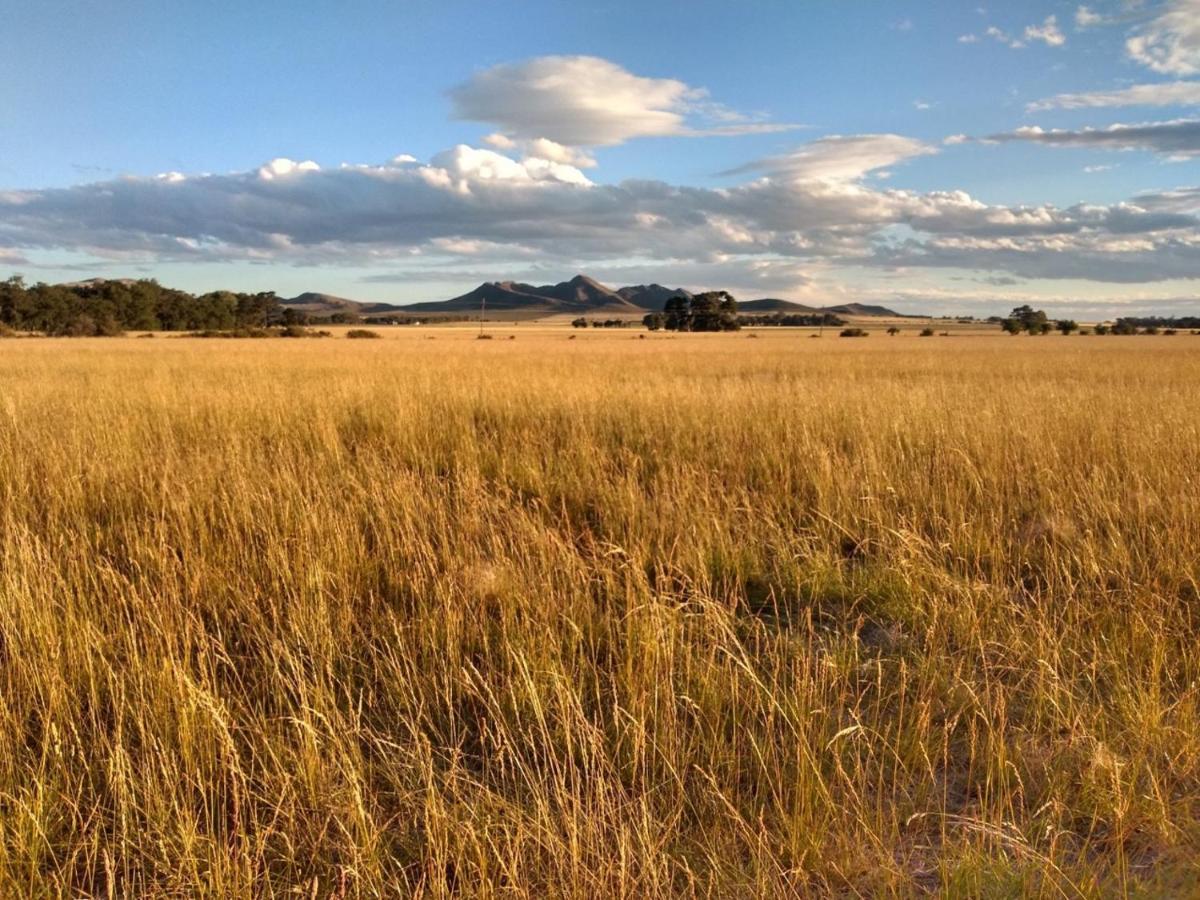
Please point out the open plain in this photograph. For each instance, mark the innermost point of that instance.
(607, 614)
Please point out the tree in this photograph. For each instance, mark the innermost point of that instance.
(1026, 318)
(1066, 326)
(654, 321)
(677, 314)
(581, 322)
(710, 311)
(893, 331)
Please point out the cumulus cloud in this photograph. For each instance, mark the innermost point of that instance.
(1048, 33)
(814, 207)
(1169, 93)
(276, 168)
(1170, 43)
(1178, 139)
(839, 157)
(586, 101)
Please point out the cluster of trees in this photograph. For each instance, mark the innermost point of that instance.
(711, 311)
(1152, 324)
(599, 323)
(795, 320)
(1025, 319)
(110, 307)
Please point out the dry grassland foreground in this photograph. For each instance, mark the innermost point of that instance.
(605, 617)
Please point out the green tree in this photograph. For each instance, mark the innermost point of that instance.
(654, 321)
(677, 314)
(1026, 318)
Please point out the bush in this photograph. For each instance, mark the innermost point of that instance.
(926, 332)
(853, 332)
(363, 334)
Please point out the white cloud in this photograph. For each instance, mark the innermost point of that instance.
(839, 157)
(1171, 93)
(1177, 139)
(1003, 37)
(968, 39)
(814, 207)
(1048, 33)
(543, 148)
(467, 165)
(1171, 42)
(1086, 17)
(276, 168)
(586, 101)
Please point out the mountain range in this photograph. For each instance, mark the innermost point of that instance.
(580, 296)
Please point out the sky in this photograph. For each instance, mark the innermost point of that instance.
(937, 157)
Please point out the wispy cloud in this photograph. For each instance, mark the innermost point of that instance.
(1177, 139)
(1170, 93)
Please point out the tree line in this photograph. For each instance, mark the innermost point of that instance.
(111, 307)
(1027, 320)
(791, 320)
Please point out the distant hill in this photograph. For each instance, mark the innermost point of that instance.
(580, 295)
(326, 304)
(651, 297)
(772, 305)
(861, 309)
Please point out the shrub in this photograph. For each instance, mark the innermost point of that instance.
(926, 332)
(363, 334)
(853, 332)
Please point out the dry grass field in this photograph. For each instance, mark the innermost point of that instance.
(604, 617)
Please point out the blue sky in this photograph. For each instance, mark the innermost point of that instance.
(936, 156)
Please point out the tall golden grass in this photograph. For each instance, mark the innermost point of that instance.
(604, 617)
